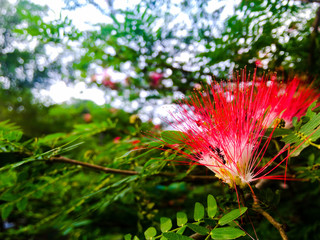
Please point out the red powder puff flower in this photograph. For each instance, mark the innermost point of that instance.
(293, 99)
(222, 129)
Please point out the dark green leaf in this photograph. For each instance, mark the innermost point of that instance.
(22, 204)
(199, 229)
(175, 236)
(5, 211)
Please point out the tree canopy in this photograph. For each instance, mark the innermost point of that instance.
(78, 170)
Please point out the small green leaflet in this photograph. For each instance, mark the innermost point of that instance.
(181, 218)
(212, 206)
(226, 233)
(198, 211)
(150, 233)
(165, 224)
(234, 214)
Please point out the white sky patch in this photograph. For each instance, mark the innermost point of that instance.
(60, 92)
(83, 18)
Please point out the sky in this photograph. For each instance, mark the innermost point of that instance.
(59, 91)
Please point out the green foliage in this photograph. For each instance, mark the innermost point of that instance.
(68, 177)
(200, 226)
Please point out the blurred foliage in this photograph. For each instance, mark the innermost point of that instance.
(43, 195)
(55, 160)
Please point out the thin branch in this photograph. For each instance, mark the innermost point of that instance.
(313, 38)
(256, 207)
(126, 172)
(197, 236)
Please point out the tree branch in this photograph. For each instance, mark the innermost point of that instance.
(313, 38)
(126, 172)
(256, 207)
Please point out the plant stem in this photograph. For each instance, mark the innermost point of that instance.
(256, 207)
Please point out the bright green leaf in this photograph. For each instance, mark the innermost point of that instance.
(226, 233)
(234, 214)
(181, 230)
(212, 206)
(127, 237)
(198, 211)
(150, 233)
(181, 218)
(165, 224)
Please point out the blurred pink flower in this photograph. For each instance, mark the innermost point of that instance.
(155, 79)
(258, 63)
(116, 140)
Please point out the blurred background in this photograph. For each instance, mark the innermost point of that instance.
(139, 55)
(108, 70)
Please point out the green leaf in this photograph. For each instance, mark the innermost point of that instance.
(181, 230)
(175, 236)
(8, 196)
(127, 236)
(212, 206)
(226, 233)
(199, 229)
(181, 218)
(155, 144)
(22, 204)
(234, 214)
(5, 211)
(150, 233)
(174, 137)
(165, 224)
(198, 211)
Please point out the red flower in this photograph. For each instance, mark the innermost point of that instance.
(293, 99)
(223, 128)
